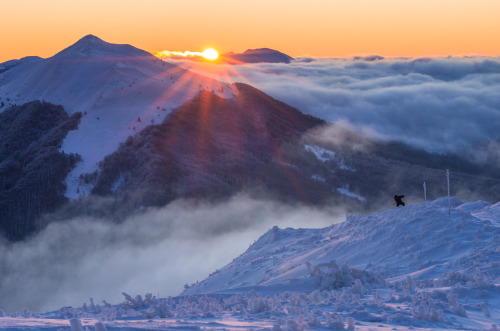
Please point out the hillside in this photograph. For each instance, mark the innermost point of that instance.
(32, 169)
(419, 240)
(414, 267)
(119, 89)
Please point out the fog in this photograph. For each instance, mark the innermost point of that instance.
(156, 251)
(439, 104)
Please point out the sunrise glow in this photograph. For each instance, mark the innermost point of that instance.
(208, 54)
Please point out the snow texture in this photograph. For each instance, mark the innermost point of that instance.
(406, 268)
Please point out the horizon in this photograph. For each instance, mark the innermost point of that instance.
(388, 28)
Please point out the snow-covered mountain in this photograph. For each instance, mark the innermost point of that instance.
(119, 89)
(417, 267)
(420, 240)
(259, 55)
(151, 132)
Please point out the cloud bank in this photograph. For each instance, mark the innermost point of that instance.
(157, 251)
(440, 104)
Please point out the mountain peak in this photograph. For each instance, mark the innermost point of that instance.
(90, 38)
(93, 46)
(257, 55)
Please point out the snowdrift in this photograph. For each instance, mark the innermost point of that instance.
(422, 241)
(413, 267)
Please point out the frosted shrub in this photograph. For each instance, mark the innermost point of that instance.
(486, 310)
(26, 313)
(410, 284)
(452, 299)
(76, 325)
(292, 325)
(357, 288)
(334, 322)
(350, 323)
(258, 305)
(480, 280)
(313, 321)
(314, 297)
(330, 276)
(131, 302)
(99, 326)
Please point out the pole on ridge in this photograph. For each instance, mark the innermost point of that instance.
(448, 183)
(425, 192)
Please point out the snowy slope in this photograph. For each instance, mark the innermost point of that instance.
(421, 240)
(415, 267)
(112, 85)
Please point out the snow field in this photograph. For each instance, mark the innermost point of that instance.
(406, 268)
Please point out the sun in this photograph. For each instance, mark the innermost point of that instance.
(210, 54)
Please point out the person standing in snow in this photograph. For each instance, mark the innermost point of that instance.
(398, 200)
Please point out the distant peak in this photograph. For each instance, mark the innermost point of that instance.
(260, 51)
(90, 38)
(92, 46)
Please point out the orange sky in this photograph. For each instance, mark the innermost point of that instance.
(326, 28)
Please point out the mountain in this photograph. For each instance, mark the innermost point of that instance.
(213, 147)
(259, 55)
(119, 89)
(210, 147)
(151, 132)
(14, 63)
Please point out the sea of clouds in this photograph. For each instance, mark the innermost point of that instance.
(156, 251)
(440, 104)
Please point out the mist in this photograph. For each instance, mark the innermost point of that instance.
(438, 104)
(156, 251)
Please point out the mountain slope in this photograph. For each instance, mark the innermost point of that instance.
(32, 169)
(414, 267)
(118, 88)
(210, 147)
(421, 240)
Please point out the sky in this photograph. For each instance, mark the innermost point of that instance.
(317, 28)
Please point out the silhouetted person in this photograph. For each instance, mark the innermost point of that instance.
(398, 200)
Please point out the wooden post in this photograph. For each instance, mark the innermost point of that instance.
(448, 183)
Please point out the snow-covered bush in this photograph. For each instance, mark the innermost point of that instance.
(457, 307)
(76, 324)
(329, 276)
(334, 321)
(99, 326)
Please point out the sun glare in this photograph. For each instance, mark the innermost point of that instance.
(210, 54)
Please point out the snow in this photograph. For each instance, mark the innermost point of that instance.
(322, 154)
(318, 178)
(112, 85)
(325, 155)
(413, 267)
(345, 191)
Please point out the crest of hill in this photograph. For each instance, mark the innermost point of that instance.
(419, 240)
(92, 46)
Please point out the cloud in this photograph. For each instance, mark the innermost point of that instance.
(440, 104)
(157, 251)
